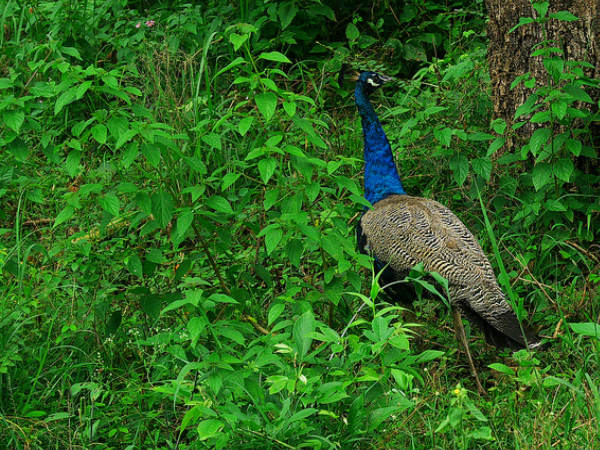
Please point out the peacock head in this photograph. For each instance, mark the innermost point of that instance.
(370, 81)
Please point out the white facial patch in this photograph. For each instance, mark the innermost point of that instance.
(372, 83)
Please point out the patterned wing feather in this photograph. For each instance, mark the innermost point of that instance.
(402, 231)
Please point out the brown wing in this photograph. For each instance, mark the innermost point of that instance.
(402, 231)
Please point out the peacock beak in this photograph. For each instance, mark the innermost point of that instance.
(354, 76)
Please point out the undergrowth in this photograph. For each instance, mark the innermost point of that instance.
(179, 186)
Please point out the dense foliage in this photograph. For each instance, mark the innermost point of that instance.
(179, 184)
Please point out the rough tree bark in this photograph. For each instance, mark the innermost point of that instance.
(509, 53)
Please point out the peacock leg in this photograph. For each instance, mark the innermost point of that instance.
(462, 337)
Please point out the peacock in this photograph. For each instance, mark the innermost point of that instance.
(401, 231)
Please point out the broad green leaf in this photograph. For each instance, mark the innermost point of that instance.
(274, 312)
(302, 333)
(459, 164)
(586, 329)
(82, 89)
(555, 205)
(162, 208)
(290, 108)
(99, 132)
(238, 40)
(212, 139)
(428, 355)
(503, 368)
(13, 119)
(63, 216)
(563, 169)
(266, 168)
(272, 238)
(219, 204)
(64, 99)
(559, 108)
(482, 167)
(541, 117)
(495, 146)
(229, 179)
(578, 93)
(274, 56)
(150, 304)
(222, 298)
(287, 11)
(110, 203)
(564, 15)
(266, 103)
(184, 221)
(541, 175)
(245, 125)
(539, 138)
(134, 265)
(72, 162)
(352, 32)
(499, 126)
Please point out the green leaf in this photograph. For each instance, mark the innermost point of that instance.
(459, 164)
(290, 108)
(541, 117)
(539, 138)
(482, 167)
(563, 169)
(238, 40)
(245, 125)
(302, 333)
(586, 329)
(266, 103)
(266, 168)
(212, 139)
(65, 98)
(151, 305)
(72, 162)
(502, 368)
(274, 312)
(274, 56)
(219, 204)
(352, 32)
(499, 126)
(578, 93)
(272, 238)
(222, 298)
(287, 11)
(428, 355)
(162, 208)
(63, 216)
(13, 119)
(152, 154)
(134, 265)
(99, 132)
(294, 250)
(559, 108)
(495, 146)
(82, 89)
(110, 203)
(184, 221)
(564, 15)
(229, 179)
(555, 205)
(541, 175)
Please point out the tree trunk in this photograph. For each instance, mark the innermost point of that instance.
(509, 53)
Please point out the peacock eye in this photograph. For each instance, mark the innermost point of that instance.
(372, 82)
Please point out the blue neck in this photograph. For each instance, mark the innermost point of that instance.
(381, 175)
